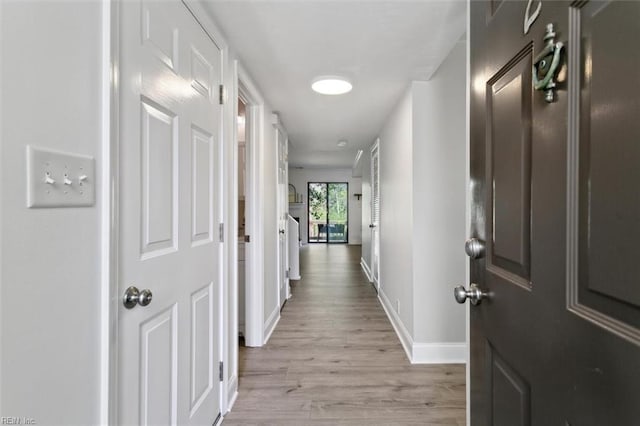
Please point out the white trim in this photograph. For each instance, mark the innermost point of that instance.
(232, 390)
(423, 353)
(366, 269)
(254, 253)
(2, 6)
(231, 223)
(439, 353)
(468, 211)
(109, 227)
(271, 323)
(398, 325)
(276, 121)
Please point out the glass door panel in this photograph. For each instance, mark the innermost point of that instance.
(328, 212)
(338, 212)
(317, 197)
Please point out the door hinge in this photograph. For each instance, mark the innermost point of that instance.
(221, 231)
(247, 238)
(221, 376)
(286, 273)
(223, 94)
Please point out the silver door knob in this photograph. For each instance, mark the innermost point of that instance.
(133, 296)
(474, 294)
(474, 248)
(145, 297)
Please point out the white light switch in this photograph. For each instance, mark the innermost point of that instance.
(59, 179)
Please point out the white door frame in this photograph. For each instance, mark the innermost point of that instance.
(110, 218)
(110, 226)
(243, 89)
(254, 188)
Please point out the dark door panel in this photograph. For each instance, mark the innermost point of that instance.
(509, 393)
(509, 168)
(608, 158)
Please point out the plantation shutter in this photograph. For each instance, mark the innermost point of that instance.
(375, 182)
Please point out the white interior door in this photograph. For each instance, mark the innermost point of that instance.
(283, 211)
(169, 214)
(375, 215)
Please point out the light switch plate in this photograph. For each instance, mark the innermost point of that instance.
(59, 179)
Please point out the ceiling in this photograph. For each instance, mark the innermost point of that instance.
(380, 46)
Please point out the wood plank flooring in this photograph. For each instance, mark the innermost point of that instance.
(334, 359)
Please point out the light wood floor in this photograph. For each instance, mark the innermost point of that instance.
(334, 359)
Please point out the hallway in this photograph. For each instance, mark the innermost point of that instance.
(334, 358)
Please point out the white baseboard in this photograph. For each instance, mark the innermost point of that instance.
(233, 392)
(423, 353)
(398, 326)
(270, 324)
(439, 353)
(366, 269)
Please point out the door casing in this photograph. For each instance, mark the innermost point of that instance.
(254, 263)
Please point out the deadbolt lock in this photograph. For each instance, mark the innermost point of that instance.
(474, 248)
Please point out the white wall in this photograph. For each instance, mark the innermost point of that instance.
(422, 214)
(439, 200)
(301, 177)
(50, 288)
(396, 214)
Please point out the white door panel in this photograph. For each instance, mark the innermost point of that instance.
(158, 368)
(283, 213)
(169, 211)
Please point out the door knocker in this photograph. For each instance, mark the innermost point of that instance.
(545, 65)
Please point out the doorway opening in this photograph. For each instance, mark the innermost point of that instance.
(328, 212)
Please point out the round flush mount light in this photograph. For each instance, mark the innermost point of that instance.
(342, 143)
(331, 85)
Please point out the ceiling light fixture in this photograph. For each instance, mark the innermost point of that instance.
(331, 85)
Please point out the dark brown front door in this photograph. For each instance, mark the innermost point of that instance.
(556, 199)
